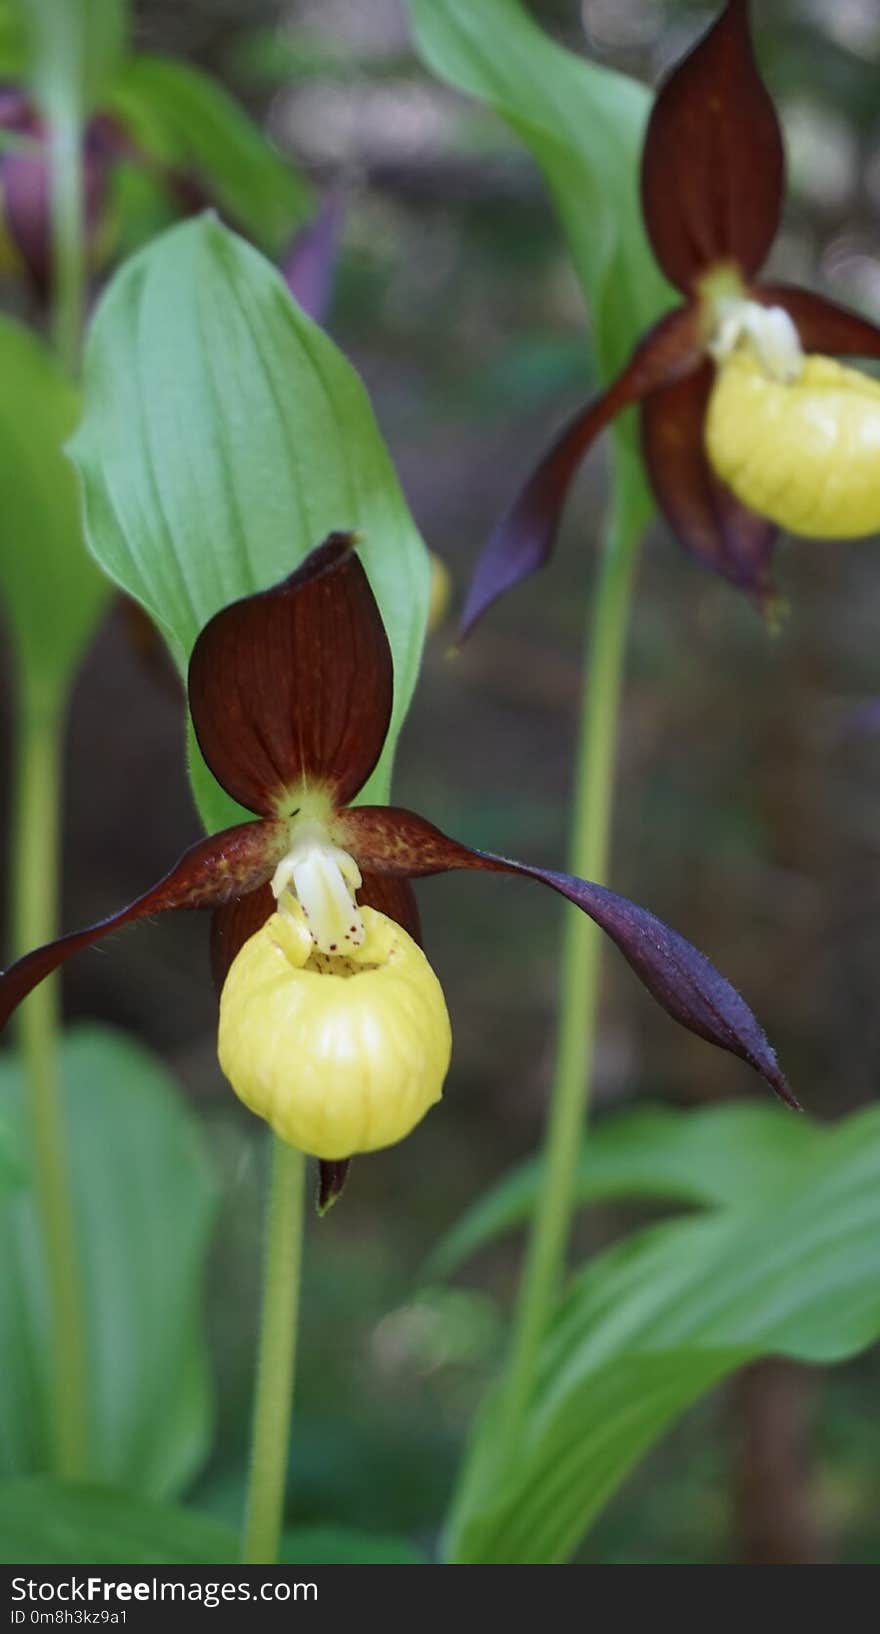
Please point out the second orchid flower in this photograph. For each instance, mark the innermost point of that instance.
(744, 428)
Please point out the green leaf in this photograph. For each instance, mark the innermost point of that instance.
(46, 1523)
(185, 120)
(72, 49)
(342, 1546)
(724, 1154)
(12, 1168)
(584, 125)
(144, 1203)
(224, 437)
(13, 48)
(653, 1323)
(49, 585)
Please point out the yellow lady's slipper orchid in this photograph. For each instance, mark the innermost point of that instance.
(340, 1053)
(796, 446)
(333, 1026)
(804, 452)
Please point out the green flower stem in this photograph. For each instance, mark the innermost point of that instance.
(68, 237)
(276, 1362)
(581, 955)
(35, 887)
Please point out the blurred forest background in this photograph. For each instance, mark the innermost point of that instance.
(748, 806)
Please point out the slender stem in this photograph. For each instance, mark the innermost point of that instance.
(68, 236)
(276, 1362)
(581, 957)
(35, 876)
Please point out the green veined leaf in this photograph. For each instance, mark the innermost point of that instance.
(184, 119)
(224, 437)
(49, 586)
(144, 1204)
(44, 1522)
(652, 1324)
(722, 1155)
(584, 125)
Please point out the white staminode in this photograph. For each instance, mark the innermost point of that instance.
(324, 879)
(767, 329)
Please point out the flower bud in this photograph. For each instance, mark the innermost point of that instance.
(339, 1053)
(804, 453)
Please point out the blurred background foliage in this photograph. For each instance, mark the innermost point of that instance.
(747, 806)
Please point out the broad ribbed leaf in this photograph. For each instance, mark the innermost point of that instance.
(48, 1523)
(724, 1155)
(225, 436)
(189, 124)
(144, 1201)
(584, 125)
(653, 1323)
(50, 589)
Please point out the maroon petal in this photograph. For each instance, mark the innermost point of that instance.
(682, 980)
(16, 111)
(309, 266)
(234, 924)
(713, 168)
(394, 896)
(332, 1175)
(822, 325)
(26, 210)
(524, 538)
(208, 874)
(707, 519)
(293, 686)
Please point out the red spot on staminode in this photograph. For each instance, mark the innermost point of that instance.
(332, 947)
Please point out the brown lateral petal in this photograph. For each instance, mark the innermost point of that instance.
(713, 168)
(680, 978)
(234, 924)
(394, 896)
(208, 874)
(26, 210)
(822, 325)
(332, 1175)
(708, 520)
(293, 685)
(524, 538)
